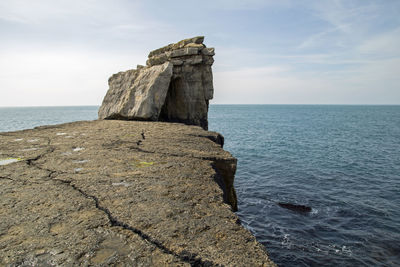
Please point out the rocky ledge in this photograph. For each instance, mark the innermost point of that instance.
(120, 193)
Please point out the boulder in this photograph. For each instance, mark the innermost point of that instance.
(137, 94)
(175, 86)
(295, 207)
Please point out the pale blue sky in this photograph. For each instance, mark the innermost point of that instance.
(61, 52)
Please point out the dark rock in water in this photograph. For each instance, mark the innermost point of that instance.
(175, 86)
(294, 207)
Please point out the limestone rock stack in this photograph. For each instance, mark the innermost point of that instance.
(175, 85)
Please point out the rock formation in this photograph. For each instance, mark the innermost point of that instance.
(176, 86)
(119, 193)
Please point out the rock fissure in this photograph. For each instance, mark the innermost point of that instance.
(185, 256)
(48, 151)
(32, 162)
(6, 178)
(219, 139)
(137, 148)
(225, 169)
(155, 208)
(224, 176)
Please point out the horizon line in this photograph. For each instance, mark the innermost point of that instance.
(221, 104)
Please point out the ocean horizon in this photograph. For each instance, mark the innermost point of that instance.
(342, 161)
(14, 118)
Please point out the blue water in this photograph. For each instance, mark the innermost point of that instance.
(19, 118)
(342, 161)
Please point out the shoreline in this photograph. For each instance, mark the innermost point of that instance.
(152, 182)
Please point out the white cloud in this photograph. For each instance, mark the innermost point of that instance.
(85, 21)
(345, 16)
(58, 77)
(384, 44)
(43, 11)
(246, 5)
(272, 84)
(62, 52)
(373, 82)
(321, 38)
(344, 24)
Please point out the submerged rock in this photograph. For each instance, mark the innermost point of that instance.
(175, 86)
(295, 207)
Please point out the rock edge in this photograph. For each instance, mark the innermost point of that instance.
(117, 192)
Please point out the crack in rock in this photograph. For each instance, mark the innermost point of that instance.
(6, 178)
(185, 256)
(225, 170)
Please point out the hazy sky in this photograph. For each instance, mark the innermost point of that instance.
(56, 52)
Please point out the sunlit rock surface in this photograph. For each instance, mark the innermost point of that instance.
(175, 85)
(124, 193)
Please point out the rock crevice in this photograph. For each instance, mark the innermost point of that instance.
(86, 193)
(175, 86)
(225, 173)
(184, 256)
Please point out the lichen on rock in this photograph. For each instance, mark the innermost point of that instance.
(175, 85)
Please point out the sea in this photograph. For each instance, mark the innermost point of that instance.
(340, 161)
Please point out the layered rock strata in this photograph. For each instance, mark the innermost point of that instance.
(175, 85)
(120, 193)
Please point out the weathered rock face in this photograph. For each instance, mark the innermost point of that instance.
(118, 193)
(176, 85)
(137, 94)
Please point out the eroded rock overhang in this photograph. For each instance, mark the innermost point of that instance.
(175, 85)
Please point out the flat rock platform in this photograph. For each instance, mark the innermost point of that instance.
(120, 193)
